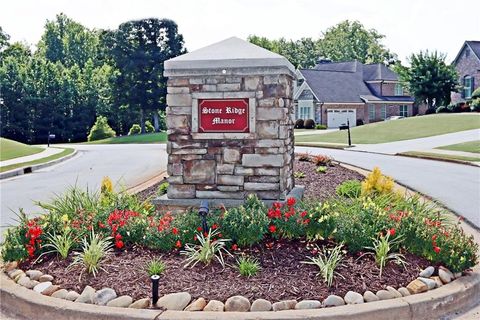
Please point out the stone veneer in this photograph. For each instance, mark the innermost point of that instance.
(231, 165)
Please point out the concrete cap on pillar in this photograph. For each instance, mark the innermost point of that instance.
(230, 54)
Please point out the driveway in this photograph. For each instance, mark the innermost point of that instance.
(126, 164)
(456, 186)
(420, 144)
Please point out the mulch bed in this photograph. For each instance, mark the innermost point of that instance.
(283, 276)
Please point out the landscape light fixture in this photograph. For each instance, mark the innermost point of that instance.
(155, 280)
(203, 212)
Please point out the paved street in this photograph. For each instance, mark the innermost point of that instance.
(127, 164)
(456, 186)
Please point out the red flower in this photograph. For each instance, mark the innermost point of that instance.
(306, 221)
(272, 228)
(199, 229)
(195, 238)
(436, 249)
(234, 247)
(119, 244)
(277, 205)
(118, 236)
(391, 232)
(178, 244)
(434, 237)
(175, 231)
(30, 250)
(303, 214)
(215, 226)
(291, 201)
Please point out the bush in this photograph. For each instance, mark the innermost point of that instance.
(322, 160)
(442, 109)
(309, 124)
(321, 169)
(247, 224)
(135, 129)
(162, 188)
(321, 127)
(149, 128)
(350, 189)
(304, 157)
(376, 183)
(101, 130)
(248, 266)
(299, 124)
(359, 122)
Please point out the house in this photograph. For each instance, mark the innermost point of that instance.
(332, 93)
(467, 64)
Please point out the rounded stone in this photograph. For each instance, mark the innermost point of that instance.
(34, 274)
(308, 304)
(215, 306)
(417, 286)
(384, 295)
(445, 275)
(394, 291)
(197, 305)
(261, 305)
(50, 290)
(284, 305)
(26, 282)
(353, 297)
(140, 304)
(13, 273)
(42, 286)
(431, 284)
(120, 302)
(103, 296)
(45, 278)
(19, 276)
(237, 303)
(86, 296)
(60, 294)
(72, 296)
(174, 301)
(9, 266)
(427, 272)
(438, 281)
(404, 291)
(333, 301)
(369, 296)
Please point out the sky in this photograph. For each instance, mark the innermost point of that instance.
(408, 25)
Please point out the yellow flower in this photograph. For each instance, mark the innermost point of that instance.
(107, 185)
(65, 218)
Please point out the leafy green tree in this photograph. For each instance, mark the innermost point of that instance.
(302, 53)
(139, 49)
(429, 79)
(349, 40)
(101, 130)
(4, 37)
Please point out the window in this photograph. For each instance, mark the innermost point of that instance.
(398, 89)
(404, 111)
(305, 109)
(383, 111)
(467, 86)
(371, 112)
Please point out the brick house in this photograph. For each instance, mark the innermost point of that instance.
(467, 63)
(331, 93)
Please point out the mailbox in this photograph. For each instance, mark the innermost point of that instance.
(343, 127)
(51, 136)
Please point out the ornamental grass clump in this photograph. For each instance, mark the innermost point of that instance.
(60, 244)
(382, 250)
(248, 266)
(155, 267)
(327, 261)
(207, 249)
(94, 250)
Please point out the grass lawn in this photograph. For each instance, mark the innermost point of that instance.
(158, 137)
(64, 153)
(320, 145)
(470, 146)
(10, 149)
(439, 156)
(404, 129)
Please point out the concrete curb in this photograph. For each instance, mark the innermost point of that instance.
(147, 184)
(459, 294)
(30, 169)
(468, 163)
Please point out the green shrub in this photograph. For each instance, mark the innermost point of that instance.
(155, 267)
(442, 109)
(318, 220)
(299, 174)
(247, 224)
(320, 127)
(248, 266)
(162, 188)
(287, 222)
(135, 129)
(299, 124)
(101, 130)
(321, 169)
(309, 124)
(349, 189)
(149, 128)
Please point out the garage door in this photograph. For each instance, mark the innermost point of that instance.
(338, 117)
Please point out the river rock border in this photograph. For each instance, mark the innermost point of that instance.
(462, 292)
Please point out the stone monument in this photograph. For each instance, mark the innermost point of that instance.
(230, 125)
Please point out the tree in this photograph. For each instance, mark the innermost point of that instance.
(101, 130)
(302, 53)
(429, 79)
(3, 39)
(351, 41)
(139, 49)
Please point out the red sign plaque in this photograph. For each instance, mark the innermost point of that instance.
(228, 115)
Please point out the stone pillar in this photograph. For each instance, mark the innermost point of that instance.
(230, 123)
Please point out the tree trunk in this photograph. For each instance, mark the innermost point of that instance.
(156, 123)
(142, 121)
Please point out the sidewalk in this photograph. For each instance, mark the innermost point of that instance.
(46, 153)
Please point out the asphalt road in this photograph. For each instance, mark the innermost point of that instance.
(127, 165)
(456, 186)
